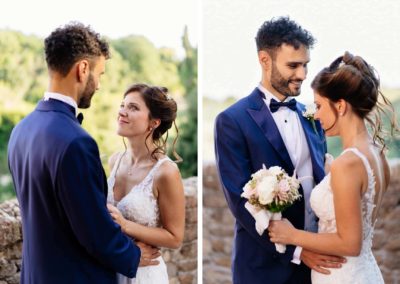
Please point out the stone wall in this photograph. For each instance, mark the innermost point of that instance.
(218, 229)
(181, 263)
(10, 242)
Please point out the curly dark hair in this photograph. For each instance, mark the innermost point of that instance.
(66, 45)
(272, 34)
(163, 107)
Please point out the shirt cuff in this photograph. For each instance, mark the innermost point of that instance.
(296, 255)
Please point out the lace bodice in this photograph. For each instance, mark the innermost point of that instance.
(363, 268)
(323, 206)
(140, 206)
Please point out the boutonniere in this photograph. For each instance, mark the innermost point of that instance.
(309, 114)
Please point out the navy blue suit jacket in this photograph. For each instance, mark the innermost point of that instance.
(68, 234)
(246, 137)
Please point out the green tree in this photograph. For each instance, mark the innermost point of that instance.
(187, 146)
(148, 64)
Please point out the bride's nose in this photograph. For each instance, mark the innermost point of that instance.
(122, 112)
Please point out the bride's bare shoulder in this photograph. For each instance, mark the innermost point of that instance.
(167, 175)
(168, 170)
(347, 165)
(348, 160)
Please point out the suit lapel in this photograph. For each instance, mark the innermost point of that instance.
(313, 140)
(260, 113)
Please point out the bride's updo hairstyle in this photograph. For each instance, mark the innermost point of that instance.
(163, 107)
(352, 79)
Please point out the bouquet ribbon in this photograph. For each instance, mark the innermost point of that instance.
(262, 218)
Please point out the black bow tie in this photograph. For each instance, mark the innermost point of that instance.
(79, 117)
(274, 105)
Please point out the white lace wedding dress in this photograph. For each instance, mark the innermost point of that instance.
(362, 269)
(140, 206)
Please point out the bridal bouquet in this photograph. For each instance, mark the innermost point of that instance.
(268, 193)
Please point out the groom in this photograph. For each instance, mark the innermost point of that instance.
(268, 127)
(69, 236)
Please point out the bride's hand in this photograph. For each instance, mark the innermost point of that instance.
(116, 215)
(281, 232)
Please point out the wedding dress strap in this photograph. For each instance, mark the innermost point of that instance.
(116, 164)
(111, 179)
(150, 176)
(158, 164)
(370, 173)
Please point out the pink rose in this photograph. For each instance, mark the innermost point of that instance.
(284, 185)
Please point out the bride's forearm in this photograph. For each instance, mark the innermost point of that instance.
(155, 236)
(327, 243)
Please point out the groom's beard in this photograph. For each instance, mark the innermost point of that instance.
(279, 83)
(87, 93)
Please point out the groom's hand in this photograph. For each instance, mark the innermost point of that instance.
(319, 262)
(148, 254)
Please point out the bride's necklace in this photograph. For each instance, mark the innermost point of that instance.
(130, 170)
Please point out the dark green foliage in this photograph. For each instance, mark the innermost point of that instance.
(187, 143)
(7, 122)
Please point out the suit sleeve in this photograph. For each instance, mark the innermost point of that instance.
(233, 163)
(80, 183)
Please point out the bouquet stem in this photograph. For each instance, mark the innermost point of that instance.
(279, 247)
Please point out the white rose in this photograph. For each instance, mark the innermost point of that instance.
(247, 191)
(259, 174)
(275, 171)
(310, 111)
(266, 189)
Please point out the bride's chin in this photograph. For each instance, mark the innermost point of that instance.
(121, 133)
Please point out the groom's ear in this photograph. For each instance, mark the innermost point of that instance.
(82, 70)
(264, 59)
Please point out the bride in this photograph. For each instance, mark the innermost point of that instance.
(145, 191)
(347, 200)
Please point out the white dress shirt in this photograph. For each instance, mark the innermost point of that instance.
(292, 133)
(63, 98)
